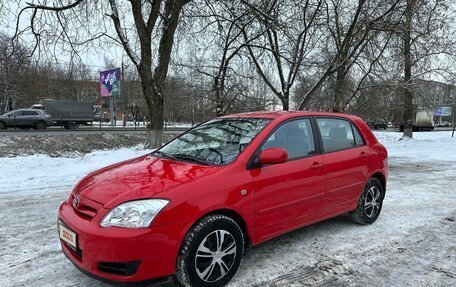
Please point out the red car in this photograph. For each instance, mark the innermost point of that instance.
(190, 209)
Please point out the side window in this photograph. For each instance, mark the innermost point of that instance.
(295, 137)
(336, 134)
(30, 113)
(358, 138)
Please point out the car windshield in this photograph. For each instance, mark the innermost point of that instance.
(217, 142)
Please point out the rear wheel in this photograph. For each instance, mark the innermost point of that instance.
(369, 204)
(40, 125)
(71, 126)
(211, 252)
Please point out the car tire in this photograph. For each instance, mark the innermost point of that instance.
(40, 125)
(2, 126)
(369, 204)
(71, 126)
(201, 260)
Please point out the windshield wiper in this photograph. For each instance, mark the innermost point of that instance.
(190, 158)
(180, 157)
(165, 155)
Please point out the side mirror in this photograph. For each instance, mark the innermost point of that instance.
(273, 156)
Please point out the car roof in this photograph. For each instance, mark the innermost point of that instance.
(287, 114)
(30, 110)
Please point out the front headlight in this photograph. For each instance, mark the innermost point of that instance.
(134, 214)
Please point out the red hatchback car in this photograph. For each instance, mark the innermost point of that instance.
(190, 209)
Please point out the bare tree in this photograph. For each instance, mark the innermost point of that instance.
(149, 46)
(426, 44)
(14, 65)
(290, 36)
(350, 29)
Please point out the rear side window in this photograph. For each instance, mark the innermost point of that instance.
(358, 138)
(29, 113)
(337, 134)
(295, 137)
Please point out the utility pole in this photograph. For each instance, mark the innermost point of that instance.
(123, 94)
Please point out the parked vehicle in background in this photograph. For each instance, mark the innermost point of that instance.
(380, 125)
(69, 114)
(25, 118)
(444, 124)
(191, 208)
(422, 119)
(101, 115)
(377, 125)
(37, 107)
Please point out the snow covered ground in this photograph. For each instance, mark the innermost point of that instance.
(413, 243)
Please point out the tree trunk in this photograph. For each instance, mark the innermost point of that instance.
(339, 92)
(153, 94)
(218, 92)
(408, 96)
(155, 127)
(285, 99)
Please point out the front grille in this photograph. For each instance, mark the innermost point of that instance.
(119, 268)
(86, 208)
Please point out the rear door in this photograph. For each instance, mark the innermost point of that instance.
(292, 193)
(345, 156)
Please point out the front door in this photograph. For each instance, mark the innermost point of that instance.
(28, 118)
(292, 193)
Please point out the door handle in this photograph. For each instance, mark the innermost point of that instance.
(317, 165)
(363, 155)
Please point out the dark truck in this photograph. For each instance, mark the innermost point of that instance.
(69, 114)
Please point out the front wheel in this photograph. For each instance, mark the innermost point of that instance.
(211, 252)
(2, 126)
(369, 204)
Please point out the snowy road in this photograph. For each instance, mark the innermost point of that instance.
(413, 243)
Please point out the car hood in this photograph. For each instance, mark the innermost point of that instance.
(138, 178)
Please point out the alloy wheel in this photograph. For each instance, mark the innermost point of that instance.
(215, 256)
(372, 201)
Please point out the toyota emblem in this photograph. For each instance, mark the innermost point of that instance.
(76, 201)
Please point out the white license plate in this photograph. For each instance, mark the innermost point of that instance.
(68, 236)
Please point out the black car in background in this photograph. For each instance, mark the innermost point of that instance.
(377, 125)
(25, 118)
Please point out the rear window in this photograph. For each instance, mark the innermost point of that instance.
(337, 134)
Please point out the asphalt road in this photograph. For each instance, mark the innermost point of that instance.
(113, 130)
(83, 131)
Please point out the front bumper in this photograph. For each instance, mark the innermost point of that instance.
(148, 253)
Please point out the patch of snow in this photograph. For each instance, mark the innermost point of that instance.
(411, 244)
(438, 146)
(39, 173)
